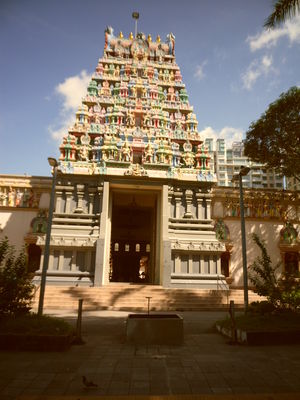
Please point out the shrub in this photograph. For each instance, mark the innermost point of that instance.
(16, 288)
(261, 307)
(281, 290)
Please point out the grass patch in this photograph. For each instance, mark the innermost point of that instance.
(275, 322)
(32, 324)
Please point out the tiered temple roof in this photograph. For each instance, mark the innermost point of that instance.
(135, 118)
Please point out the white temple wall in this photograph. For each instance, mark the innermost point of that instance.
(15, 224)
(269, 231)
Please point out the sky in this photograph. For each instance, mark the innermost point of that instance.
(232, 67)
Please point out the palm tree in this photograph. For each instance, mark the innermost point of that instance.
(282, 10)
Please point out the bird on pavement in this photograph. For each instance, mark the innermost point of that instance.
(87, 383)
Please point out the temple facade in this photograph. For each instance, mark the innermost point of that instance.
(136, 199)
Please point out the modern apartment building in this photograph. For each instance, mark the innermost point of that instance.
(227, 161)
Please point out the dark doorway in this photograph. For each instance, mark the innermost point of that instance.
(34, 257)
(132, 238)
(291, 263)
(225, 257)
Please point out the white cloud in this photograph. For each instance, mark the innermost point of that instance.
(269, 38)
(199, 73)
(228, 133)
(257, 69)
(71, 92)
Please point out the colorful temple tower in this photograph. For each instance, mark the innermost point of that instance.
(133, 195)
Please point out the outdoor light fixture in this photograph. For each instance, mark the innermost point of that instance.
(239, 177)
(53, 163)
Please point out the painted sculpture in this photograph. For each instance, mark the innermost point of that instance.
(136, 110)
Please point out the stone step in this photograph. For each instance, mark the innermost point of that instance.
(133, 297)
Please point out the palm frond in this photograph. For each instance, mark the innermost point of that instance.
(282, 10)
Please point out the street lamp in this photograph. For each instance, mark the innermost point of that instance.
(53, 163)
(239, 177)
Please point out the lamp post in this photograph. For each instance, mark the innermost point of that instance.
(239, 177)
(53, 163)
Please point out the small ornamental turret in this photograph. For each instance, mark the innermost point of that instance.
(136, 110)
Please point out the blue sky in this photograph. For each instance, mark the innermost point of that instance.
(231, 66)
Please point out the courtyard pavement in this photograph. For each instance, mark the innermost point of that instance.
(206, 364)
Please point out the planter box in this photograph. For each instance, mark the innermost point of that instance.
(262, 337)
(154, 329)
(27, 342)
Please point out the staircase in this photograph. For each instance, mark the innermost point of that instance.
(133, 298)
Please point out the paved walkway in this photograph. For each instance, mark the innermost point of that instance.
(206, 364)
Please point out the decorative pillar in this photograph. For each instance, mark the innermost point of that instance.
(92, 192)
(80, 194)
(200, 208)
(68, 201)
(101, 249)
(73, 261)
(207, 199)
(170, 196)
(177, 264)
(178, 198)
(58, 202)
(190, 264)
(88, 259)
(201, 267)
(165, 261)
(50, 264)
(219, 265)
(188, 200)
(61, 261)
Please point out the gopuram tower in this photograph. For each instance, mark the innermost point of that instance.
(133, 194)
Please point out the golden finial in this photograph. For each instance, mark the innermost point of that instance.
(149, 38)
(121, 35)
(131, 36)
(158, 39)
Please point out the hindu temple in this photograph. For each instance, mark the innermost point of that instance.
(136, 196)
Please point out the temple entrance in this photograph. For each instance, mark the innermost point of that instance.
(133, 238)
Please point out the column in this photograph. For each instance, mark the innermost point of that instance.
(73, 262)
(200, 209)
(178, 199)
(61, 261)
(80, 194)
(219, 265)
(88, 259)
(68, 201)
(165, 262)
(201, 269)
(170, 195)
(188, 200)
(177, 264)
(50, 263)
(190, 264)
(101, 249)
(58, 202)
(92, 192)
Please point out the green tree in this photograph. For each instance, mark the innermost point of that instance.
(281, 290)
(274, 139)
(282, 10)
(16, 288)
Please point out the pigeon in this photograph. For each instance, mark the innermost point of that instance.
(88, 384)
